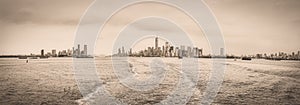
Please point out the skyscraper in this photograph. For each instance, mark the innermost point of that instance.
(200, 52)
(42, 52)
(222, 52)
(123, 51)
(182, 51)
(78, 50)
(85, 50)
(53, 53)
(189, 51)
(156, 42)
(74, 51)
(167, 46)
(130, 52)
(119, 51)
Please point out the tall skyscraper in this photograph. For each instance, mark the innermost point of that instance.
(119, 51)
(85, 49)
(78, 50)
(195, 52)
(163, 51)
(222, 52)
(189, 51)
(156, 42)
(123, 51)
(42, 52)
(53, 53)
(130, 52)
(200, 53)
(182, 51)
(167, 46)
(74, 51)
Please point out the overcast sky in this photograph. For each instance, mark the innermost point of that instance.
(249, 26)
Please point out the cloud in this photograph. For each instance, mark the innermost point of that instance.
(43, 12)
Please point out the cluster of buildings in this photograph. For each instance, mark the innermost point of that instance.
(54, 53)
(67, 53)
(166, 50)
(80, 53)
(279, 56)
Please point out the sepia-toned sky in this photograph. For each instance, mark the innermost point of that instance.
(249, 26)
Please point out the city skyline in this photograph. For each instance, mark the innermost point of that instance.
(169, 50)
(249, 27)
(166, 50)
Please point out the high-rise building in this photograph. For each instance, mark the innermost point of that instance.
(78, 50)
(163, 51)
(182, 51)
(85, 50)
(222, 52)
(195, 52)
(189, 51)
(119, 51)
(54, 53)
(130, 52)
(69, 52)
(74, 51)
(156, 42)
(167, 47)
(171, 50)
(123, 50)
(200, 53)
(176, 52)
(42, 52)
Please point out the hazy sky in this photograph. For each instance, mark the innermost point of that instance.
(249, 26)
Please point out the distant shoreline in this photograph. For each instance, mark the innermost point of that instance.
(217, 57)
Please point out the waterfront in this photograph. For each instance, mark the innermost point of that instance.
(52, 81)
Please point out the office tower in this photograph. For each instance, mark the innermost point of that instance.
(53, 53)
(42, 52)
(159, 51)
(74, 51)
(189, 51)
(130, 52)
(167, 46)
(182, 51)
(171, 51)
(200, 53)
(163, 51)
(156, 42)
(176, 53)
(119, 51)
(69, 53)
(78, 50)
(195, 52)
(85, 50)
(293, 53)
(123, 50)
(222, 52)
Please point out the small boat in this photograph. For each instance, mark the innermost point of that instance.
(247, 58)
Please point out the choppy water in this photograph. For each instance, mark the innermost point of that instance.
(52, 81)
